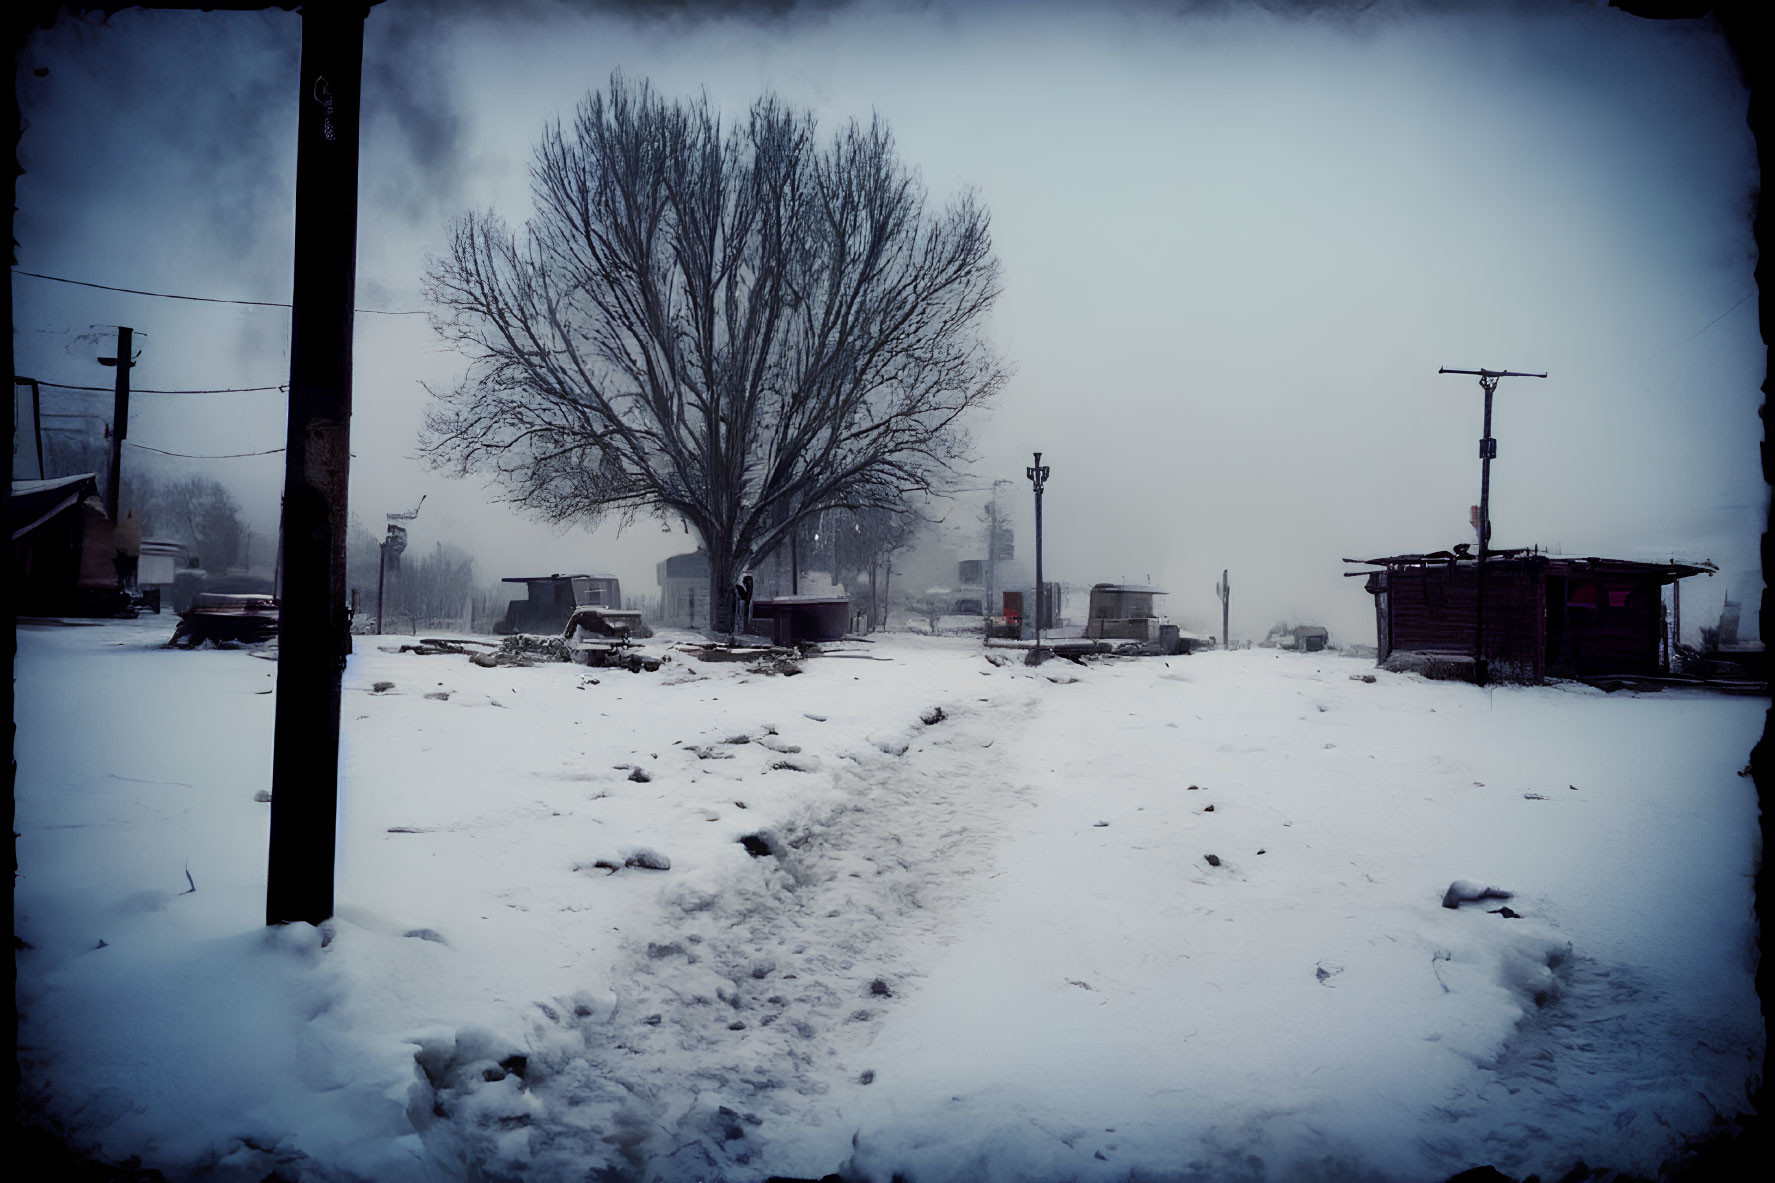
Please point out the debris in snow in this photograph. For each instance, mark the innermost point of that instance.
(879, 989)
(606, 865)
(932, 717)
(431, 646)
(1099, 825)
(440, 695)
(485, 660)
(1464, 891)
(1574, 788)
(779, 747)
(1213, 860)
(646, 857)
(756, 846)
(1325, 975)
(639, 775)
(1260, 851)
(893, 747)
(775, 664)
(1361, 677)
(653, 1019)
(528, 648)
(1506, 912)
(1533, 797)
(867, 1077)
(1192, 788)
(737, 739)
(708, 753)
(381, 687)
(426, 934)
(263, 796)
(815, 718)
(1208, 809)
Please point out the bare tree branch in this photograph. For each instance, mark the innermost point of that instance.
(733, 322)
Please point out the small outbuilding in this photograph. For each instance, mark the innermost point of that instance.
(551, 599)
(1311, 638)
(64, 559)
(684, 590)
(1545, 615)
(1123, 611)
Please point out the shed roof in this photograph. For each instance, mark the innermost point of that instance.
(1667, 571)
(692, 565)
(34, 502)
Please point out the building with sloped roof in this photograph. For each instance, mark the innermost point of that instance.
(1545, 615)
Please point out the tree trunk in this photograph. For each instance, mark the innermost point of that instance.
(721, 584)
(887, 577)
(872, 565)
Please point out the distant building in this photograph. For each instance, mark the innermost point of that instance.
(684, 590)
(1123, 611)
(550, 600)
(1545, 615)
(1311, 638)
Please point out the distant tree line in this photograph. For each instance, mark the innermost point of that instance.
(195, 510)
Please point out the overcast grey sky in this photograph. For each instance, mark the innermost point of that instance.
(1237, 245)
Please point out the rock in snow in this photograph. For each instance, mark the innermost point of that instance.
(1465, 891)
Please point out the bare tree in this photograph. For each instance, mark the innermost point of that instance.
(197, 510)
(738, 325)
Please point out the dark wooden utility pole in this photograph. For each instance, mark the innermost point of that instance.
(1488, 451)
(315, 626)
(119, 417)
(1224, 590)
(1676, 634)
(1038, 476)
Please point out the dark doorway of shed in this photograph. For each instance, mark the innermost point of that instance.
(1555, 617)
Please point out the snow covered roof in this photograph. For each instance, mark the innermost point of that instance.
(27, 488)
(550, 578)
(34, 502)
(1669, 569)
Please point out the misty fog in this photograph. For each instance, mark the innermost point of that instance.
(1237, 246)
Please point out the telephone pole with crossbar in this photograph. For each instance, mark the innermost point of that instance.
(1488, 451)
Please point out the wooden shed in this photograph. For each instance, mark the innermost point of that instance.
(684, 590)
(1123, 611)
(551, 599)
(1545, 615)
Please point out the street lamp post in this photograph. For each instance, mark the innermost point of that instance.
(1038, 477)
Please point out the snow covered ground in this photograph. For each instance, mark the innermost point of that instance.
(908, 911)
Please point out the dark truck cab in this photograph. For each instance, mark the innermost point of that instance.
(551, 599)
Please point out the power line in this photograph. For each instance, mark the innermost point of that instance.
(1715, 320)
(1656, 354)
(190, 456)
(139, 390)
(105, 287)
